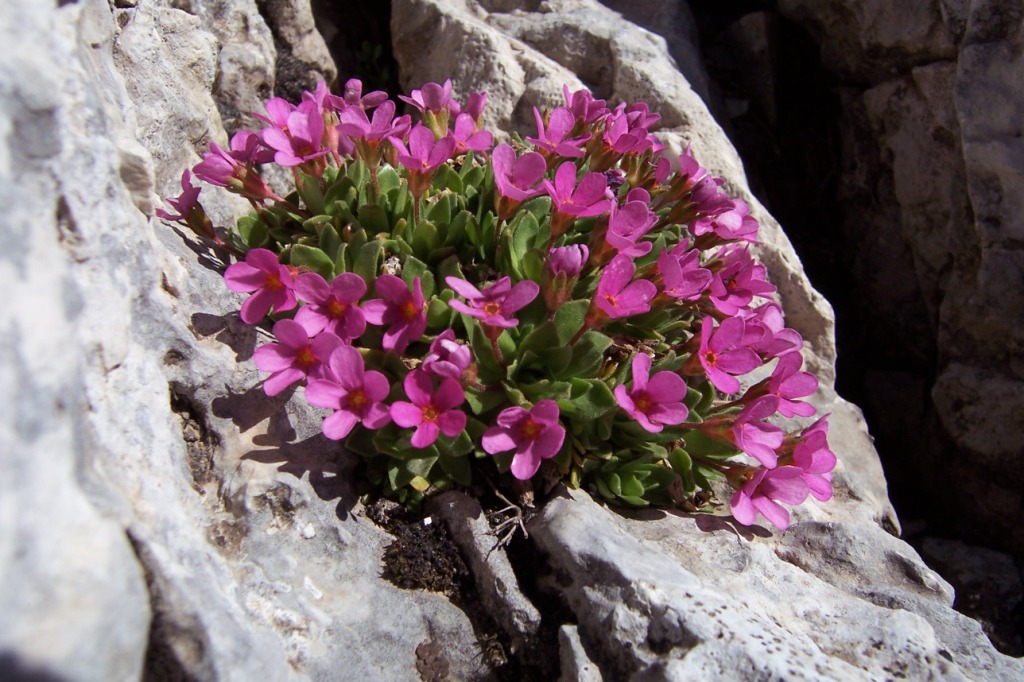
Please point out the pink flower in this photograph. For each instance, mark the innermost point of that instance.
(358, 126)
(681, 274)
(332, 308)
(738, 281)
(263, 274)
(764, 491)
(758, 438)
(583, 105)
(235, 168)
(627, 224)
(447, 357)
(423, 157)
(554, 140)
(299, 140)
(400, 308)
(535, 434)
(562, 273)
(424, 154)
(656, 402)
(430, 412)
(514, 177)
(813, 456)
(475, 107)
(431, 97)
(616, 296)
(468, 138)
(568, 260)
(354, 96)
(722, 356)
(731, 224)
(354, 394)
(295, 357)
(787, 382)
(184, 203)
(589, 198)
(769, 337)
(495, 303)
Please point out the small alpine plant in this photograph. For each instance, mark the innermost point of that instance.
(560, 307)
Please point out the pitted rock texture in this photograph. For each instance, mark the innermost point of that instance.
(930, 191)
(665, 596)
(163, 519)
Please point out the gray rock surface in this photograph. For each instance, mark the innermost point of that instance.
(162, 519)
(664, 596)
(932, 175)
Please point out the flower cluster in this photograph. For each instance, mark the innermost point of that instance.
(564, 301)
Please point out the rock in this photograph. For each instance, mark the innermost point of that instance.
(870, 40)
(931, 185)
(222, 542)
(988, 588)
(495, 580)
(667, 596)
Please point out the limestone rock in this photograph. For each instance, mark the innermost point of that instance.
(932, 178)
(676, 597)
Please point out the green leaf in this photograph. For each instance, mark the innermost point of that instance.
(483, 401)
(587, 355)
(413, 268)
(458, 467)
(253, 231)
(388, 179)
(440, 212)
(569, 319)
(439, 314)
(425, 238)
(374, 219)
(699, 445)
(311, 193)
(367, 261)
(591, 399)
(330, 242)
(314, 259)
(447, 178)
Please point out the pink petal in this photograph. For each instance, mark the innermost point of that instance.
(728, 334)
(497, 439)
(282, 380)
(339, 424)
(406, 414)
(774, 512)
(641, 371)
(375, 386)
(419, 387)
(376, 416)
(273, 357)
(312, 288)
(545, 412)
(463, 288)
(291, 334)
(739, 361)
(519, 296)
(448, 395)
(785, 484)
(322, 393)
(666, 387)
(256, 306)
(242, 278)
(425, 435)
(524, 465)
(669, 414)
(392, 289)
(452, 422)
(348, 287)
(743, 508)
(347, 365)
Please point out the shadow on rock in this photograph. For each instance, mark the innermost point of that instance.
(229, 331)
